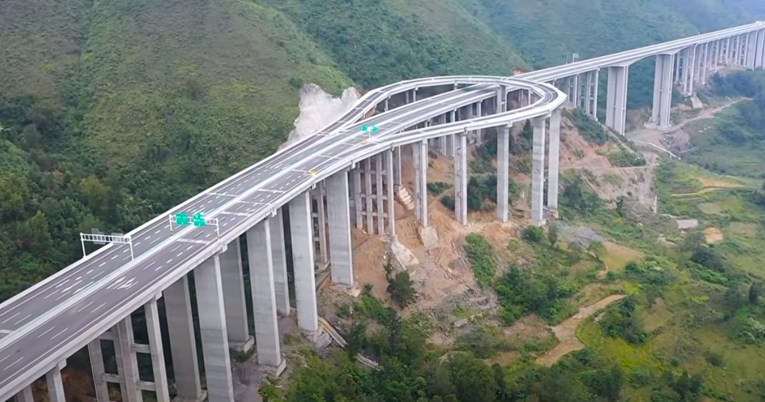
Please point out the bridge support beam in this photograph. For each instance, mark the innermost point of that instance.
(538, 172)
(662, 90)
(356, 192)
(396, 167)
(370, 229)
(279, 260)
(751, 50)
(320, 213)
(618, 77)
(55, 384)
(183, 348)
(553, 169)
(390, 192)
(379, 194)
(704, 63)
(156, 350)
(759, 60)
(212, 329)
(232, 280)
(421, 181)
(461, 178)
(263, 295)
(340, 246)
(97, 369)
(503, 173)
(25, 395)
(303, 263)
(127, 362)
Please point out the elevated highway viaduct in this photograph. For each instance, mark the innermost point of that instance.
(314, 191)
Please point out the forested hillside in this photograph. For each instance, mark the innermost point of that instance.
(110, 112)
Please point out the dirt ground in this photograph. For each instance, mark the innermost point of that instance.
(566, 331)
(713, 235)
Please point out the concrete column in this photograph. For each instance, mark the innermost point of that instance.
(503, 173)
(263, 295)
(370, 228)
(704, 61)
(303, 263)
(731, 51)
(279, 260)
(389, 188)
(421, 180)
(417, 177)
(751, 51)
(387, 101)
(213, 333)
(588, 94)
(127, 362)
(618, 77)
(686, 64)
(25, 395)
(379, 169)
(554, 160)
(662, 90)
(461, 179)
(738, 50)
(479, 112)
(759, 59)
(575, 91)
(538, 172)
(397, 167)
(340, 252)
(728, 51)
(55, 384)
(232, 279)
(161, 386)
(321, 212)
(183, 348)
(356, 191)
(691, 70)
(678, 66)
(596, 81)
(96, 355)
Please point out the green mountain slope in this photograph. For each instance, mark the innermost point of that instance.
(385, 41)
(110, 112)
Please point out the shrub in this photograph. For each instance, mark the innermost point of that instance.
(401, 289)
(533, 234)
(448, 202)
(437, 188)
(482, 258)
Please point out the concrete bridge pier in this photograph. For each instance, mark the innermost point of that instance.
(356, 193)
(55, 384)
(759, 58)
(704, 63)
(554, 160)
(616, 103)
(461, 178)
(213, 333)
(183, 350)
(420, 154)
(234, 303)
(503, 172)
(662, 90)
(127, 362)
(319, 218)
(379, 194)
(370, 224)
(303, 263)
(25, 395)
(341, 250)
(264, 295)
(537, 172)
(390, 185)
(279, 261)
(751, 50)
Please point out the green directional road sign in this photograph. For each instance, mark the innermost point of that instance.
(182, 219)
(199, 220)
(369, 129)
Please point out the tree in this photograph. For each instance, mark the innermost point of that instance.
(552, 234)
(754, 292)
(401, 289)
(472, 378)
(598, 249)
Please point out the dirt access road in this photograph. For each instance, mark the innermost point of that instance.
(566, 331)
